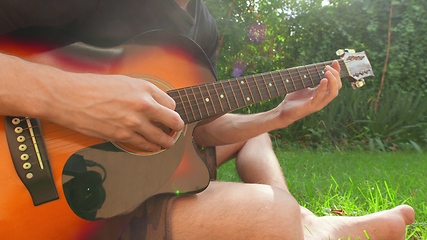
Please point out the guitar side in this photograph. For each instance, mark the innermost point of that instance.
(129, 175)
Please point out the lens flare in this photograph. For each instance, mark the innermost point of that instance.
(239, 68)
(257, 32)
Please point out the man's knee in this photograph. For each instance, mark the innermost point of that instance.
(262, 140)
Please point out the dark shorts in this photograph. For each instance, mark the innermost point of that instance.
(152, 220)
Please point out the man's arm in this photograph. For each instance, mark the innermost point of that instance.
(233, 128)
(111, 107)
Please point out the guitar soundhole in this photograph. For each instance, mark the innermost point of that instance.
(139, 151)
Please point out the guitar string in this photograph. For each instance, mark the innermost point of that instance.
(47, 139)
(298, 85)
(246, 89)
(302, 71)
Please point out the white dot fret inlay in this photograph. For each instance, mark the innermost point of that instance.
(270, 84)
(242, 82)
(207, 99)
(305, 76)
(248, 99)
(287, 80)
(221, 96)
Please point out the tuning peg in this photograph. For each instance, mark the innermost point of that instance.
(340, 52)
(358, 84)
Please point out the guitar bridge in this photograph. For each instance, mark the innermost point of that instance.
(30, 159)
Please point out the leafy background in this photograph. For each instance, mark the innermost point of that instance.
(387, 114)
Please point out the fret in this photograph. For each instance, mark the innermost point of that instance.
(215, 98)
(258, 89)
(288, 81)
(283, 81)
(267, 86)
(318, 73)
(180, 105)
(248, 91)
(302, 80)
(212, 99)
(229, 90)
(240, 95)
(223, 95)
(239, 83)
(275, 85)
(197, 98)
(309, 76)
(205, 99)
(292, 79)
(189, 103)
(250, 98)
(262, 86)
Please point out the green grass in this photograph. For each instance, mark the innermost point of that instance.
(356, 182)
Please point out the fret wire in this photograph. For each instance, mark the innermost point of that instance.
(309, 75)
(292, 80)
(263, 91)
(211, 99)
(257, 88)
(239, 83)
(299, 74)
(181, 92)
(253, 98)
(215, 97)
(274, 82)
(181, 102)
(190, 104)
(197, 102)
(203, 99)
(225, 96)
(234, 94)
(318, 73)
(307, 79)
(266, 86)
(283, 81)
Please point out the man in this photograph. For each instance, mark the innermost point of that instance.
(118, 108)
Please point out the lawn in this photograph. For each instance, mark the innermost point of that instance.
(357, 182)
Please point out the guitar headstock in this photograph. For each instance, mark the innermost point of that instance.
(358, 66)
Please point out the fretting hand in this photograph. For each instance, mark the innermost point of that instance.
(301, 103)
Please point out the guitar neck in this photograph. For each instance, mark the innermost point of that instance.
(199, 102)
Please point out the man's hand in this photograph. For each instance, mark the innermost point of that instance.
(117, 108)
(301, 103)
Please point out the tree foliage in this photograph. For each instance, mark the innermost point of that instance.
(264, 35)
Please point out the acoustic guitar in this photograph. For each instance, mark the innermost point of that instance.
(59, 183)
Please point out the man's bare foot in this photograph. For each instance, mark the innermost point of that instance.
(388, 225)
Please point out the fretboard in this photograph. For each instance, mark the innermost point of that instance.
(199, 102)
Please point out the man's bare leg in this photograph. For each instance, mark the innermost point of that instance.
(260, 211)
(227, 210)
(256, 161)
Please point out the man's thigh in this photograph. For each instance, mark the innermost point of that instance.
(228, 210)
